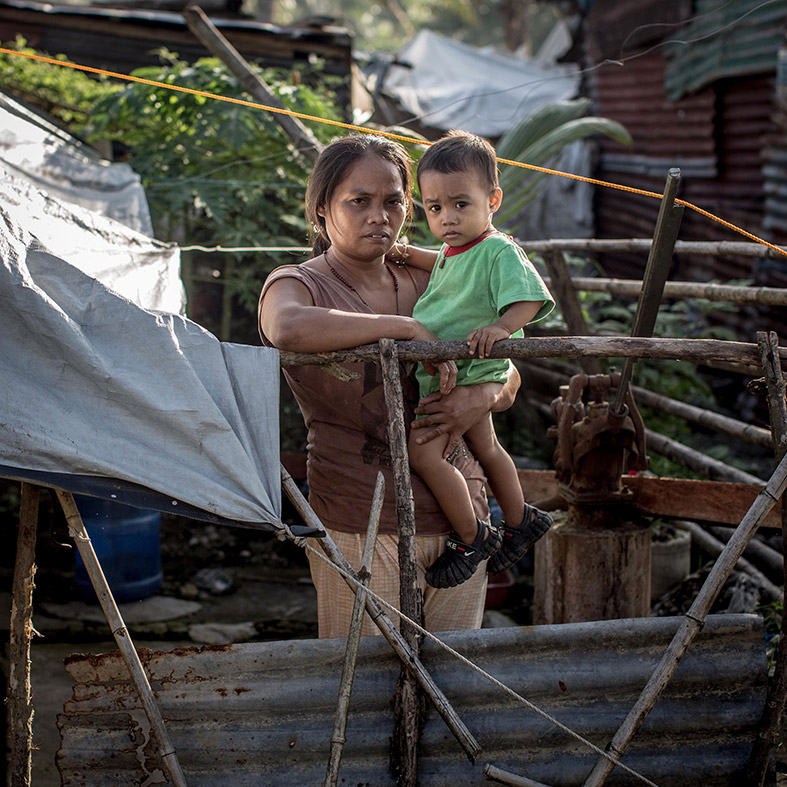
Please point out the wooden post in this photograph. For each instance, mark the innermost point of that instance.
(383, 622)
(205, 31)
(771, 721)
(566, 296)
(691, 624)
(354, 638)
(77, 531)
(656, 271)
(20, 695)
(409, 709)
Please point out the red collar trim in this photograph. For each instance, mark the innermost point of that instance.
(452, 251)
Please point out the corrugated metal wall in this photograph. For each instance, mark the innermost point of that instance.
(716, 134)
(261, 714)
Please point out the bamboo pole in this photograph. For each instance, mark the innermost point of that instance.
(775, 704)
(696, 350)
(705, 418)
(409, 704)
(714, 547)
(207, 34)
(494, 774)
(691, 624)
(695, 460)
(726, 293)
(20, 695)
(77, 531)
(563, 288)
(338, 736)
(756, 550)
(698, 415)
(383, 622)
(642, 245)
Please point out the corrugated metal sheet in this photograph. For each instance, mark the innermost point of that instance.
(261, 714)
(722, 137)
(665, 134)
(736, 39)
(125, 39)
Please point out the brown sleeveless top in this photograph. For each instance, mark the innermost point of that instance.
(347, 427)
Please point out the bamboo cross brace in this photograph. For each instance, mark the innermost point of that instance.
(20, 697)
(354, 637)
(408, 706)
(696, 350)
(777, 691)
(691, 624)
(384, 623)
(77, 531)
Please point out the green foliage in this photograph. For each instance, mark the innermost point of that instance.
(214, 172)
(539, 139)
(65, 94)
(217, 173)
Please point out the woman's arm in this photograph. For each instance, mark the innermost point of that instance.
(290, 321)
(453, 414)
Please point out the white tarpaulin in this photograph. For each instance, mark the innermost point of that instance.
(144, 270)
(55, 162)
(452, 85)
(92, 385)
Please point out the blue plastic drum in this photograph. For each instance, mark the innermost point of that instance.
(127, 543)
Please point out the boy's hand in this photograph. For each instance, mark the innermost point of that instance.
(447, 371)
(480, 340)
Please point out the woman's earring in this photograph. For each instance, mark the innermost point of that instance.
(316, 229)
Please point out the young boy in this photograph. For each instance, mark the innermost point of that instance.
(482, 289)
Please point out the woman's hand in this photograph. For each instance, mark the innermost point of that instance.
(453, 414)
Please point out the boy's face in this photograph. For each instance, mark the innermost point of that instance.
(459, 205)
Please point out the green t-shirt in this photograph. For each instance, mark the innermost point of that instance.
(472, 289)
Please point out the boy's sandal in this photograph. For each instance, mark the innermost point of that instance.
(517, 540)
(459, 561)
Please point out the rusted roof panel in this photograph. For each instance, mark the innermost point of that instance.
(670, 133)
(262, 713)
(736, 39)
(128, 38)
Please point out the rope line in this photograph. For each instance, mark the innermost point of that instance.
(388, 134)
(480, 671)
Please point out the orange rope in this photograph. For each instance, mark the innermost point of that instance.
(398, 137)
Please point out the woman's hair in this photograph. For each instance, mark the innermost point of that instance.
(461, 151)
(331, 168)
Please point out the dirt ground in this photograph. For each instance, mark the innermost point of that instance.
(220, 585)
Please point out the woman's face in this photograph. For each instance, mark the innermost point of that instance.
(366, 212)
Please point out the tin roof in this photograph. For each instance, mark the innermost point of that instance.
(736, 39)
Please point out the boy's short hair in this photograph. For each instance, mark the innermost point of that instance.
(460, 151)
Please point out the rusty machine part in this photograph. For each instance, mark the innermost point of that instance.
(595, 445)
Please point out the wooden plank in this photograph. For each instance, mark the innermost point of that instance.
(680, 498)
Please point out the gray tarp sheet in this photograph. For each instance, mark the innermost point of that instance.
(93, 385)
(452, 85)
(65, 168)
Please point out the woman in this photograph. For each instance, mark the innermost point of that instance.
(350, 294)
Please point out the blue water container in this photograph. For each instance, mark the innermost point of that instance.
(127, 544)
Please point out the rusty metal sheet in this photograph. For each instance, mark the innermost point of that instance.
(262, 713)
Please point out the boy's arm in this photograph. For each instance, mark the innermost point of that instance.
(516, 316)
(404, 254)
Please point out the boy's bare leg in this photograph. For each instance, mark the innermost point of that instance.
(499, 469)
(447, 485)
